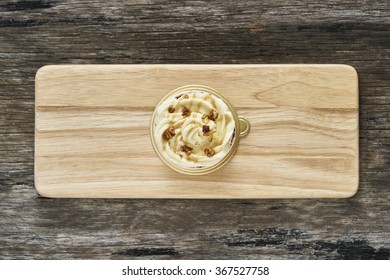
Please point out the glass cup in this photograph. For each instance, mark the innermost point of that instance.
(195, 130)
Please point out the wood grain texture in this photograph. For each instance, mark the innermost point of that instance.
(92, 131)
(37, 33)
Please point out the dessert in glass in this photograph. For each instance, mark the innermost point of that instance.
(195, 130)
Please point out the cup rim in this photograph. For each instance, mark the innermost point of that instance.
(225, 159)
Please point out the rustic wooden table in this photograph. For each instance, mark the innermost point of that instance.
(36, 33)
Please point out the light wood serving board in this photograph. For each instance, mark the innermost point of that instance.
(92, 131)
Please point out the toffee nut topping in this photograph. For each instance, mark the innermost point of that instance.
(186, 112)
(166, 135)
(209, 152)
(169, 133)
(186, 96)
(171, 130)
(171, 109)
(186, 149)
(213, 115)
(206, 130)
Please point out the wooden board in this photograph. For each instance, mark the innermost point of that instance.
(92, 131)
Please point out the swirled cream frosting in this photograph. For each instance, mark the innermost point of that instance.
(194, 129)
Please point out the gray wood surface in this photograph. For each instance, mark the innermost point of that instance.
(36, 33)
